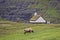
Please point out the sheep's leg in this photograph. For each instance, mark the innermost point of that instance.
(32, 31)
(24, 32)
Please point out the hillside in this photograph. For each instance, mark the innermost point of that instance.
(23, 10)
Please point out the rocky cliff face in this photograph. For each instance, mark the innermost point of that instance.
(15, 10)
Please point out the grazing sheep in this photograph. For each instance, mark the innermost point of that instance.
(28, 30)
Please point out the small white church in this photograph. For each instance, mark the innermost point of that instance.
(37, 19)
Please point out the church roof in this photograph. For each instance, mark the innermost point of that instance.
(35, 17)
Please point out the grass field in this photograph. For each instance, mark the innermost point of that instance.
(14, 31)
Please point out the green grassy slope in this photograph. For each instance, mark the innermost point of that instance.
(50, 10)
(14, 31)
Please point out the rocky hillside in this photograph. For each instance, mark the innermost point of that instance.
(23, 10)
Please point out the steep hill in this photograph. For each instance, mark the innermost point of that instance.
(23, 10)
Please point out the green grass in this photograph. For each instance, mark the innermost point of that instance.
(14, 31)
(35, 17)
